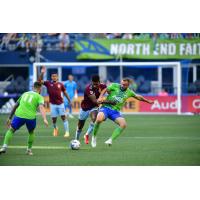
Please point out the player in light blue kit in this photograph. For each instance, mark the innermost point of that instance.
(71, 87)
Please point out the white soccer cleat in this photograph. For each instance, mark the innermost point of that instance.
(108, 142)
(66, 134)
(3, 150)
(29, 152)
(94, 141)
(71, 116)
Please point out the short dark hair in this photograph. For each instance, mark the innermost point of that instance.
(128, 79)
(95, 78)
(37, 84)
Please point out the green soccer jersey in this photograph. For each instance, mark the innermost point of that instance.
(28, 104)
(118, 95)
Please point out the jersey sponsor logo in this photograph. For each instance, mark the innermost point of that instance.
(59, 86)
(164, 105)
(196, 103)
(118, 99)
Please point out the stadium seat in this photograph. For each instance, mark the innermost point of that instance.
(145, 87)
(192, 88)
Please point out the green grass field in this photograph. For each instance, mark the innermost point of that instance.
(148, 140)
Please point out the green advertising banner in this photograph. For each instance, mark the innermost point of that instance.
(138, 49)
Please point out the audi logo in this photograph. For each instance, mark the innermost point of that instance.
(196, 104)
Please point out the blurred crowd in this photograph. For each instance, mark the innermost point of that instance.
(65, 41)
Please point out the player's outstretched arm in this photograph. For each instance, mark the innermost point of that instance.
(41, 76)
(93, 99)
(141, 98)
(11, 114)
(100, 99)
(43, 113)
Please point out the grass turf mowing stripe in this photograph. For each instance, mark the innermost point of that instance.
(134, 137)
(37, 147)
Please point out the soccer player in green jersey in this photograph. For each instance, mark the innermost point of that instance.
(118, 93)
(25, 111)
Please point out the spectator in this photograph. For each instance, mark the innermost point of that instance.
(127, 36)
(64, 41)
(196, 35)
(118, 35)
(176, 35)
(97, 35)
(164, 36)
(133, 85)
(6, 40)
(163, 93)
(33, 41)
(189, 35)
(21, 45)
(142, 36)
(110, 36)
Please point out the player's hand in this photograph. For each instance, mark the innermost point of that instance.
(8, 122)
(100, 100)
(150, 102)
(46, 122)
(43, 70)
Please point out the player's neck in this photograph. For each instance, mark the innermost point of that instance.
(37, 91)
(123, 89)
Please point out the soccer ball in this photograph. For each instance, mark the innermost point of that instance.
(75, 145)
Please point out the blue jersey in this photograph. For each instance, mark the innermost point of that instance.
(70, 87)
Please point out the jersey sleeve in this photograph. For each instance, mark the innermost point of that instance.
(40, 100)
(132, 93)
(112, 87)
(19, 99)
(63, 88)
(46, 83)
(103, 86)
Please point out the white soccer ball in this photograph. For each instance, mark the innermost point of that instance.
(75, 145)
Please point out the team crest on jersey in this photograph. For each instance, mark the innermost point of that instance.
(91, 92)
(58, 85)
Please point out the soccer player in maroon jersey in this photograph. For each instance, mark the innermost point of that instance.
(89, 106)
(55, 90)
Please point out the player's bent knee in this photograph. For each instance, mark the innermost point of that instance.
(100, 117)
(98, 120)
(124, 125)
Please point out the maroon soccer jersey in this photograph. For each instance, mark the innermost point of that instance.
(86, 103)
(55, 90)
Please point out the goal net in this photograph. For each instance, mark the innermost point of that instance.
(159, 81)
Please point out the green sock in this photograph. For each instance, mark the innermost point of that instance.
(96, 128)
(116, 133)
(8, 137)
(31, 139)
